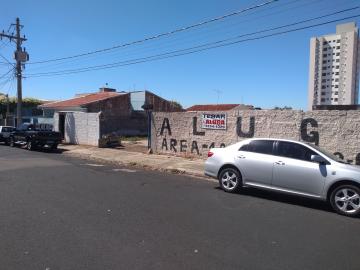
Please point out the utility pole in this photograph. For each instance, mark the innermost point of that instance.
(18, 74)
(21, 56)
(7, 110)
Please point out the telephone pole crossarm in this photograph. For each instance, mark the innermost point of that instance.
(3, 35)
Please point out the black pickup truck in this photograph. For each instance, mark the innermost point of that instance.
(33, 136)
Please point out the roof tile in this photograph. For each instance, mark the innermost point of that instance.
(212, 107)
(80, 101)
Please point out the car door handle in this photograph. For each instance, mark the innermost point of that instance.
(280, 163)
(241, 156)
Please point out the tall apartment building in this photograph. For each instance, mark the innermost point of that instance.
(334, 67)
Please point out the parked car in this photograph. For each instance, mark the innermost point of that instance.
(5, 133)
(287, 166)
(32, 136)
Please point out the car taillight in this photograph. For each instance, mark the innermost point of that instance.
(210, 154)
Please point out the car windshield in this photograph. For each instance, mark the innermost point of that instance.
(328, 154)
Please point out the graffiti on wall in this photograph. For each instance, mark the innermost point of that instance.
(182, 145)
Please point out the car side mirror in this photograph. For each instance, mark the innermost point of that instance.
(319, 159)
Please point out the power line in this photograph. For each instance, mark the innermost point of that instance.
(181, 41)
(12, 69)
(7, 61)
(177, 40)
(160, 35)
(194, 49)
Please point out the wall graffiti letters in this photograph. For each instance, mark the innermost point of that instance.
(195, 147)
(165, 125)
(183, 145)
(178, 141)
(164, 144)
(313, 136)
(251, 131)
(357, 159)
(173, 144)
(338, 154)
(195, 132)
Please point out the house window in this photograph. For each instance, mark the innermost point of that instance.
(335, 99)
(323, 93)
(323, 99)
(338, 47)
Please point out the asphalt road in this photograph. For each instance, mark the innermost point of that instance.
(62, 213)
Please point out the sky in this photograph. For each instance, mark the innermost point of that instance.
(265, 73)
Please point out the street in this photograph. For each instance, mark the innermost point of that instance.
(58, 212)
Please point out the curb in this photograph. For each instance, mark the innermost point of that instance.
(168, 169)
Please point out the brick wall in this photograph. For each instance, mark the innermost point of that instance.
(181, 133)
(160, 104)
(114, 106)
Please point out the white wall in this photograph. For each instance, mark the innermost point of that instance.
(335, 131)
(80, 127)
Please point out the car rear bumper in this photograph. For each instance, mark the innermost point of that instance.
(211, 168)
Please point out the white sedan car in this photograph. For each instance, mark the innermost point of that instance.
(287, 166)
(5, 133)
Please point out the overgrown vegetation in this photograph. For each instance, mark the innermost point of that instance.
(176, 105)
(27, 103)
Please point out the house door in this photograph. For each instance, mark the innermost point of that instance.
(62, 124)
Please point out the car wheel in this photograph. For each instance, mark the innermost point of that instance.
(30, 146)
(230, 180)
(345, 200)
(54, 146)
(12, 142)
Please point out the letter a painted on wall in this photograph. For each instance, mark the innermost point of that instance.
(165, 125)
(251, 131)
(164, 144)
(194, 146)
(313, 136)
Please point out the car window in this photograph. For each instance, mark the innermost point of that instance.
(259, 146)
(7, 129)
(294, 150)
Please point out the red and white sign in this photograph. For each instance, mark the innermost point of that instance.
(214, 121)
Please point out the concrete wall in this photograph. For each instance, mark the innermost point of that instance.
(80, 127)
(181, 133)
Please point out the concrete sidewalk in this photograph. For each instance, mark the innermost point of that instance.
(179, 165)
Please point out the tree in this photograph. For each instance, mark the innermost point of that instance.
(176, 105)
(282, 108)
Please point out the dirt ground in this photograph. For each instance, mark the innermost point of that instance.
(134, 146)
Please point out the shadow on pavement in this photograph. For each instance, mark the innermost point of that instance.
(285, 198)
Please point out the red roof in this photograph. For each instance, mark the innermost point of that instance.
(212, 107)
(81, 101)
